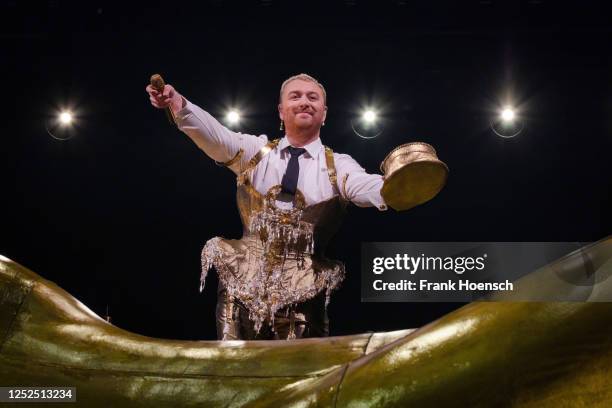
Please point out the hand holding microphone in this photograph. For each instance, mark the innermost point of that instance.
(164, 96)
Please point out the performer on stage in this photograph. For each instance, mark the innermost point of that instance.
(275, 282)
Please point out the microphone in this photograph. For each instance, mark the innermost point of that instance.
(157, 82)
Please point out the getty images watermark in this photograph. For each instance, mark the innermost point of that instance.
(411, 265)
(467, 271)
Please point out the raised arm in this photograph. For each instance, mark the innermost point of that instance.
(218, 142)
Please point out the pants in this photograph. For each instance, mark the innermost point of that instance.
(307, 319)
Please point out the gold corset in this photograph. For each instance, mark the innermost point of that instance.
(279, 261)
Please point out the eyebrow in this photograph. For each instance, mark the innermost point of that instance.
(308, 93)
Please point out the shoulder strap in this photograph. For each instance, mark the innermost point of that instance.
(267, 148)
(230, 164)
(331, 168)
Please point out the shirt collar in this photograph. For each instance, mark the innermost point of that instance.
(313, 148)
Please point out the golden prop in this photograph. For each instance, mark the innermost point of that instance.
(413, 175)
(485, 354)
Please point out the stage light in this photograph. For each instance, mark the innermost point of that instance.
(368, 125)
(508, 114)
(232, 117)
(369, 116)
(62, 125)
(65, 118)
(508, 124)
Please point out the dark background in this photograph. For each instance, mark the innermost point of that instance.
(117, 215)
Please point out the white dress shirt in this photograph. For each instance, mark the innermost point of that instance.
(221, 144)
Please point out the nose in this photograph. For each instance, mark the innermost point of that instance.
(304, 101)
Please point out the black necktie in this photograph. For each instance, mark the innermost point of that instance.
(290, 178)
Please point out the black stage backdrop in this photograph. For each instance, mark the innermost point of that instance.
(118, 214)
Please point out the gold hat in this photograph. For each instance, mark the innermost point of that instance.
(413, 175)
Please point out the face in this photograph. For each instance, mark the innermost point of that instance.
(302, 105)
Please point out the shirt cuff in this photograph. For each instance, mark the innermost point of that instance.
(377, 199)
(379, 202)
(382, 206)
(371, 200)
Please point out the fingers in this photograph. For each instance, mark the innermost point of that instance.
(160, 100)
(158, 104)
(152, 91)
(168, 91)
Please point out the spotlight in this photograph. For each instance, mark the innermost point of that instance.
(508, 124)
(61, 125)
(232, 117)
(507, 115)
(369, 116)
(65, 118)
(369, 125)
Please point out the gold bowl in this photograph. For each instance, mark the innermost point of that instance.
(413, 175)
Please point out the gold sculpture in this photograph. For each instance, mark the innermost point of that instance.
(485, 354)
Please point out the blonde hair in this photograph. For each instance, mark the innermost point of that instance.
(303, 77)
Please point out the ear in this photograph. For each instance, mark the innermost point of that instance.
(324, 113)
(280, 112)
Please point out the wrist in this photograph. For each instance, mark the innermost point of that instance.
(178, 103)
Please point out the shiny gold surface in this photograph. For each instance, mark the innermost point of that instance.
(331, 168)
(49, 338)
(238, 262)
(280, 259)
(486, 354)
(254, 161)
(413, 175)
(233, 163)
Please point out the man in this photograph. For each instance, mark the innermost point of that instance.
(275, 282)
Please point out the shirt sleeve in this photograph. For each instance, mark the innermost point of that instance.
(357, 186)
(218, 142)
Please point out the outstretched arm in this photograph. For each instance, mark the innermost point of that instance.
(218, 142)
(357, 186)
